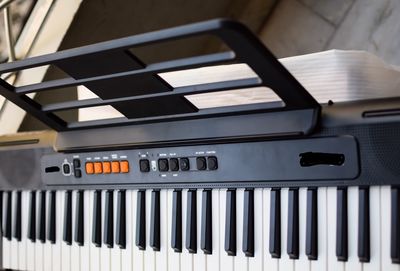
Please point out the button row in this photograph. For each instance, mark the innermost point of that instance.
(77, 165)
(183, 164)
(173, 164)
(66, 168)
(211, 163)
(107, 167)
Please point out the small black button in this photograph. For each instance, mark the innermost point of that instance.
(201, 163)
(184, 163)
(77, 173)
(66, 169)
(174, 164)
(77, 163)
(212, 163)
(144, 165)
(163, 164)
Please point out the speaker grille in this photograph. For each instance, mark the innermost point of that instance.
(379, 146)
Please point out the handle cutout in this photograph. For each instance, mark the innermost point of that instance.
(309, 159)
(52, 169)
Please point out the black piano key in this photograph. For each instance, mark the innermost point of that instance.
(141, 220)
(248, 223)
(293, 224)
(67, 227)
(51, 222)
(108, 237)
(17, 221)
(120, 238)
(191, 222)
(176, 229)
(230, 222)
(341, 225)
(363, 225)
(96, 223)
(155, 221)
(79, 218)
(8, 218)
(275, 224)
(32, 217)
(395, 225)
(312, 225)
(206, 222)
(42, 217)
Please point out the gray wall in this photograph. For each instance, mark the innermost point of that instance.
(305, 26)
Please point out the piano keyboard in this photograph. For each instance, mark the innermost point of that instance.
(354, 228)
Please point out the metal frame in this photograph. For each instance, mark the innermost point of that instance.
(12, 42)
(246, 48)
(7, 27)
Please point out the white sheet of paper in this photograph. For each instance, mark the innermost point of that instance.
(331, 75)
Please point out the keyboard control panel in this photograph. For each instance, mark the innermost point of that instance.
(328, 158)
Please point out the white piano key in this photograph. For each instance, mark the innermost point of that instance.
(199, 259)
(385, 223)
(47, 247)
(174, 258)
(137, 254)
(1, 242)
(6, 249)
(149, 254)
(56, 248)
(226, 262)
(126, 254)
(162, 255)
(186, 257)
(75, 251)
(39, 246)
(85, 249)
(14, 243)
(285, 263)
(93, 250)
(353, 262)
(65, 248)
(6, 253)
(115, 250)
(332, 261)
(30, 246)
(268, 262)
(240, 260)
(375, 229)
(303, 263)
(213, 259)
(105, 252)
(24, 231)
(256, 262)
(321, 263)
(1, 238)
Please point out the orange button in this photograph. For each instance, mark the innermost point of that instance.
(89, 168)
(115, 167)
(98, 168)
(106, 167)
(124, 166)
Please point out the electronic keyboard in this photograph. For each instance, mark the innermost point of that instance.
(288, 185)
